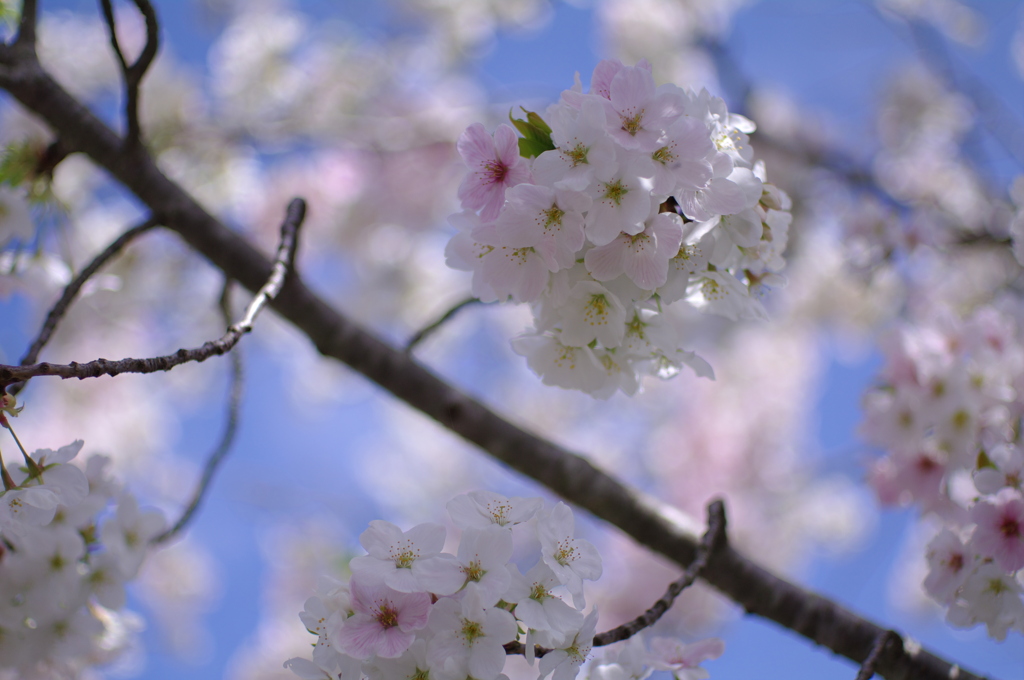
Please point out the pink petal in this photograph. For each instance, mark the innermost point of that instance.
(604, 72)
(642, 264)
(606, 262)
(506, 145)
(476, 146)
(361, 637)
(631, 88)
(393, 642)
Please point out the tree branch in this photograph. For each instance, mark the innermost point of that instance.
(888, 642)
(26, 38)
(650, 522)
(134, 72)
(227, 437)
(423, 333)
(62, 305)
(223, 345)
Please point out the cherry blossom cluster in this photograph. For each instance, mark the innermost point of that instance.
(615, 204)
(411, 611)
(949, 416)
(62, 573)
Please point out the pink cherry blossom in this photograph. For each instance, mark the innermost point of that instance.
(494, 164)
(638, 112)
(1000, 530)
(384, 621)
(949, 563)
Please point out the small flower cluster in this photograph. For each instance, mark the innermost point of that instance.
(616, 204)
(62, 575)
(949, 415)
(413, 612)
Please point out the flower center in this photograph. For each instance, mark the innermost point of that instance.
(1009, 528)
(631, 124)
(636, 327)
(566, 552)
(471, 630)
(596, 310)
(500, 513)
(539, 592)
(961, 419)
(474, 572)
(405, 559)
(996, 586)
(614, 191)
(577, 154)
(567, 355)
(387, 615)
(495, 172)
(711, 290)
(926, 464)
(552, 217)
(663, 155)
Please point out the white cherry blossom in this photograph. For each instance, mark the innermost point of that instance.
(571, 559)
(481, 509)
(399, 558)
(592, 313)
(468, 638)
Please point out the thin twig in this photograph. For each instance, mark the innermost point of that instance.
(227, 437)
(713, 539)
(427, 330)
(62, 305)
(883, 642)
(27, 26)
(134, 72)
(289, 230)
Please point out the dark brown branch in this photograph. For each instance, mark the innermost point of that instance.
(51, 157)
(134, 72)
(227, 437)
(648, 521)
(714, 538)
(427, 330)
(26, 38)
(60, 308)
(888, 642)
(223, 345)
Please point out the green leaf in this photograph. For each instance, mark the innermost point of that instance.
(984, 461)
(536, 134)
(18, 162)
(537, 122)
(8, 13)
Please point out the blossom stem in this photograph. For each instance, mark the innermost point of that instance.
(33, 467)
(8, 482)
